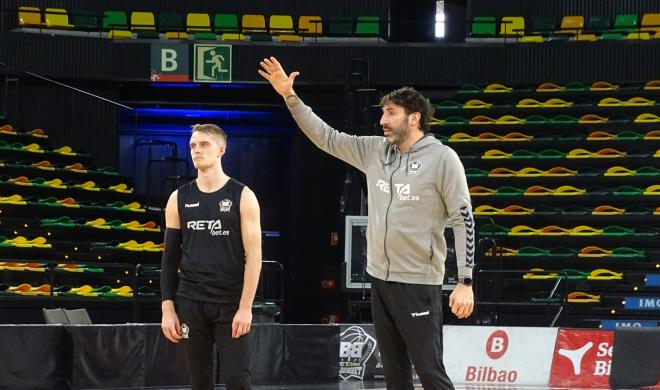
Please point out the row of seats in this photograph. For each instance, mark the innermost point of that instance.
(547, 28)
(199, 26)
(598, 86)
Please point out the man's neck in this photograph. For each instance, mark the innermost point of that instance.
(410, 141)
(211, 179)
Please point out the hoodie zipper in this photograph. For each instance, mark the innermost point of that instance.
(387, 275)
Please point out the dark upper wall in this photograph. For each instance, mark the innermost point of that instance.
(559, 8)
(391, 65)
(326, 9)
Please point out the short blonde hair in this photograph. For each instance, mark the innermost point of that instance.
(211, 129)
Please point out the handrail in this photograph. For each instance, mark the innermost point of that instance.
(79, 90)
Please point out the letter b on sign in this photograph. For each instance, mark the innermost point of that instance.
(497, 344)
(168, 61)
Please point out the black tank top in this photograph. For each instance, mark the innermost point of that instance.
(213, 262)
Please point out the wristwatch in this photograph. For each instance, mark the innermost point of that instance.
(465, 281)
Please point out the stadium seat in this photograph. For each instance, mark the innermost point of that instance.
(57, 18)
(512, 26)
(255, 26)
(227, 26)
(544, 26)
(611, 36)
(340, 26)
(199, 25)
(638, 35)
(532, 39)
(171, 23)
(115, 23)
(597, 25)
(29, 17)
(571, 25)
(625, 24)
(144, 24)
(367, 26)
(85, 21)
(483, 27)
(310, 25)
(651, 24)
(282, 27)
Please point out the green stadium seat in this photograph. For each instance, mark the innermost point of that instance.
(483, 27)
(597, 25)
(368, 26)
(340, 26)
(625, 24)
(85, 21)
(611, 36)
(115, 23)
(227, 26)
(171, 23)
(544, 26)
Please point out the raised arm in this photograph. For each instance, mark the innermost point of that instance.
(251, 236)
(169, 276)
(349, 148)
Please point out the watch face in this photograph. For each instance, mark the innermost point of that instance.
(466, 281)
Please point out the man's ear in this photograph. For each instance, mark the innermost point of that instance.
(414, 119)
(222, 149)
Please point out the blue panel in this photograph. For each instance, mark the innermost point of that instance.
(611, 324)
(652, 279)
(642, 303)
(176, 85)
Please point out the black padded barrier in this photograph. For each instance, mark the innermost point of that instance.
(635, 358)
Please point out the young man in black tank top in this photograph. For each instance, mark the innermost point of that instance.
(211, 265)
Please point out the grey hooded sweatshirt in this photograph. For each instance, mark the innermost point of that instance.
(413, 196)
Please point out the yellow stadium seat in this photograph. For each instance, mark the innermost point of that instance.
(586, 38)
(638, 36)
(310, 25)
(120, 34)
(512, 26)
(232, 37)
(29, 17)
(571, 25)
(651, 24)
(253, 23)
(198, 23)
(57, 18)
(143, 21)
(176, 35)
(282, 26)
(532, 39)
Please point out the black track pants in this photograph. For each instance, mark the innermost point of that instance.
(210, 323)
(408, 322)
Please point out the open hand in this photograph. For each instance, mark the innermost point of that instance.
(276, 76)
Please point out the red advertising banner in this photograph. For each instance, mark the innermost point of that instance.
(582, 358)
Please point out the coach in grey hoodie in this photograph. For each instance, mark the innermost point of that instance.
(416, 187)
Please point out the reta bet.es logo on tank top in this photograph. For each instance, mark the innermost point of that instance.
(214, 227)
